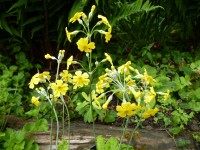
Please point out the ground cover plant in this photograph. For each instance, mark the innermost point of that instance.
(134, 87)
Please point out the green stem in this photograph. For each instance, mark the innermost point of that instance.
(133, 132)
(123, 132)
(57, 71)
(93, 122)
(172, 138)
(57, 122)
(90, 62)
(90, 93)
(63, 122)
(68, 122)
(51, 129)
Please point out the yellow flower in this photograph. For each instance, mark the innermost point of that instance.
(147, 79)
(37, 78)
(96, 99)
(108, 58)
(137, 95)
(69, 61)
(149, 113)
(48, 56)
(80, 79)
(83, 45)
(150, 96)
(99, 87)
(105, 80)
(76, 17)
(131, 83)
(44, 76)
(166, 95)
(84, 16)
(104, 20)
(108, 34)
(136, 71)
(55, 99)
(105, 105)
(70, 33)
(93, 8)
(127, 109)
(62, 52)
(66, 76)
(35, 101)
(125, 69)
(59, 88)
(34, 81)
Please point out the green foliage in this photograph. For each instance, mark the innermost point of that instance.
(63, 145)
(183, 82)
(126, 9)
(84, 108)
(111, 144)
(196, 136)
(20, 139)
(181, 143)
(12, 85)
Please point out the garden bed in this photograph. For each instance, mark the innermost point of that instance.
(82, 136)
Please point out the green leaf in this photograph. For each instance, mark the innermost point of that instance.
(36, 29)
(63, 145)
(82, 107)
(18, 4)
(5, 26)
(110, 116)
(185, 80)
(2, 134)
(175, 130)
(112, 144)
(150, 70)
(147, 6)
(33, 19)
(19, 136)
(181, 143)
(88, 116)
(33, 112)
(127, 9)
(194, 106)
(100, 143)
(29, 144)
(39, 125)
(195, 64)
(19, 146)
(85, 96)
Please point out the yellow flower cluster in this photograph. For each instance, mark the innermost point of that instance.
(62, 82)
(133, 87)
(84, 44)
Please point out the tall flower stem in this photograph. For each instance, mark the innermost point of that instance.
(57, 71)
(68, 122)
(133, 132)
(51, 130)
(123, 132)
(91, 108)
(63, 121)
(90, 92)
(57, 122)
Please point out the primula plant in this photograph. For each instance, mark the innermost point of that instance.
(55, 89)
(134, 89)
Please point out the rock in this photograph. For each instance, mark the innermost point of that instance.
(82, 136)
